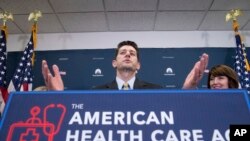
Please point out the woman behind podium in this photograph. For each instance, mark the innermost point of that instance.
(222, 77)
(219, 77)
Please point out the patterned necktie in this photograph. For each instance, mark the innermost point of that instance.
(125, 86)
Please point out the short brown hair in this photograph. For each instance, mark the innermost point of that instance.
(129, 43)
(223, 70)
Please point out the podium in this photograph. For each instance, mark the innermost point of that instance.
(138, 115)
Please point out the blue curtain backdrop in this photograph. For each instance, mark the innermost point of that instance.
(87, 68)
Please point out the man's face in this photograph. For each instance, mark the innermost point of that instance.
(126, 59)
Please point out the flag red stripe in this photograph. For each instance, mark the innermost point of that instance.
(25, 87)
(5, 94)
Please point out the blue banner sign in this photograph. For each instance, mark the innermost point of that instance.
(138, 115)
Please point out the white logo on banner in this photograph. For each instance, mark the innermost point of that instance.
(98, 73)
(169, 72)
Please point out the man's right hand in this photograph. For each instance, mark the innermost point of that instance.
(196, 74)
(52, 82)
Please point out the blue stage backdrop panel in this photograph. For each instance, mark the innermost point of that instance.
(87, 68)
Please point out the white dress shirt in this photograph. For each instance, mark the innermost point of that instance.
(120, 83)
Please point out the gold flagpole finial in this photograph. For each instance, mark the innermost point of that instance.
(5, 16)
(232, 15)
(35, 16)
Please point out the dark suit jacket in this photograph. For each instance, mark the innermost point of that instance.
(139, 84)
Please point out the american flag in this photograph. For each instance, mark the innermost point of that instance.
(23, 77)
(3, 57)
(241, 64)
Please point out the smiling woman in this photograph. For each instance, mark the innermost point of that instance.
(222, 77)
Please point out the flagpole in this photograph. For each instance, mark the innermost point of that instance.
(5, 16)
(3, 63)
(232, 15)
(22, 79)
(34, 16)
(241, 64)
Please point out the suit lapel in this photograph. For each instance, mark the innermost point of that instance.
(112, 85)
(138, 84)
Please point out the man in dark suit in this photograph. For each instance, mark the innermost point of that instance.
(127, 64)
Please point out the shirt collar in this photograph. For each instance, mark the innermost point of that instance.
(120, 82)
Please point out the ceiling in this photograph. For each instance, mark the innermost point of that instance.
(78, 16)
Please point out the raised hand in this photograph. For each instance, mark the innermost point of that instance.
(52, 82)
(196, 74)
